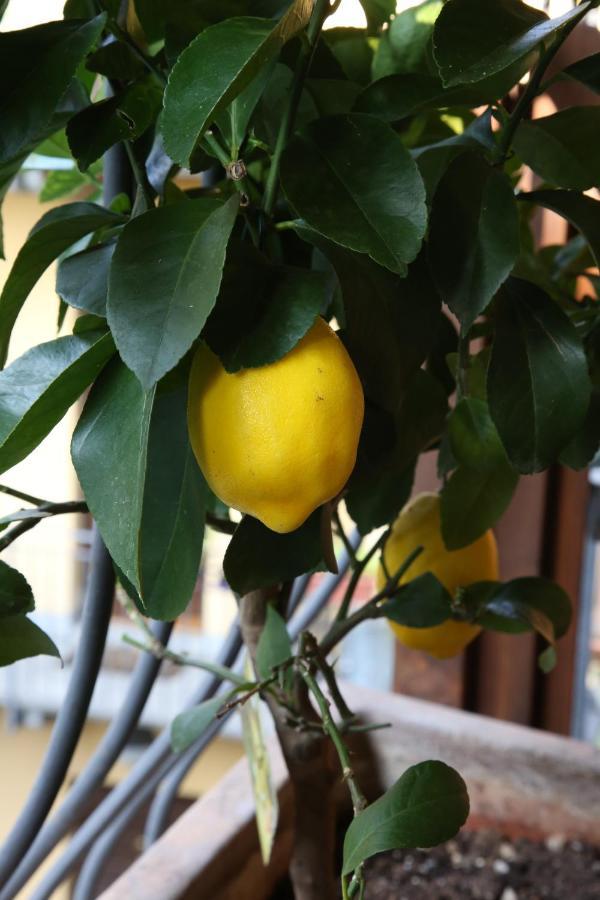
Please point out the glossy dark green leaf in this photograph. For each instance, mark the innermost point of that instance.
(508, 606)
(422, 603)
(262, 310)
(473, 39)
(274, 645)
(54, 233)
(189, 725)
(396, 96)
(142, 485)
(473, 436)
(584, 445)
(434, 159)
(156, 312)
(234, 120)
(378, 490)
(426, 806)
(258, 557)
(123, 117)
(581, 211)
(378, 12)
(109, 452)
(474, 203)
(352, 49)
(538, 384)
(215, 68)
(39, 387)
(36, 68)
(472, 500)
(410, 34)
(560, 148)
(586, 71)
(171, 530)
(16, 596)
(20, 638)
(116, 60)
(82, 279)
(351, 179)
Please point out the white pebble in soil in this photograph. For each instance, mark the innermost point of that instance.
(509, 894)
(501, 867)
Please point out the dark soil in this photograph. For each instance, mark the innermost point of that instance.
(485, 865)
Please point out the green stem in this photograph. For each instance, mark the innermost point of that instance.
(360, 566)
(46, 510)
(370, 610)
(145, 193)
(532, 89)
(20, 495)
(310, 647)
(462, 373)
(329, 726)
(340, 530)
(319, 14)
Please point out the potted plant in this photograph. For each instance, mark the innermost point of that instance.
(354, 283)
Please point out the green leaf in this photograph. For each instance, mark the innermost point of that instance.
(82, 278)
(20, 638)
(472, 500)
(581, 211)
(123, 117)
(274, 645)
(396, 96)
(410, 34)
(262, 310)
(156, 312)
(378, 12)
(258, 557)
(506, 608)
(378, 489)
(215, 68)
(36, 68)
(473, 39)
(538, 384)
(234, 120)
(39, 387)
(171, 530)
(426, 806)
(109, 452)
(16, 596)
(141, 482)
(116, 60)
(473, 205)
(560, 148)
(586, 71)
(353, 181)
(422, 603)
(189, 725)
(584, 445)
(56, 231)
(61, 183)
(352, 50)
(473, 437)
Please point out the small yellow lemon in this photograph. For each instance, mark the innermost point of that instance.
(418, 525)
(279, 440)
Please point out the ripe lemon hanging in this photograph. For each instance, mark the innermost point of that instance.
(418, 525)
(279, 440)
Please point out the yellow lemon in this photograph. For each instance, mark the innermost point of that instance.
(418, 525)
(279, 440)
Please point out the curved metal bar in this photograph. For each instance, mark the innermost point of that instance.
(94, 863)
(149, 770)
(72, 714)
(101, 762)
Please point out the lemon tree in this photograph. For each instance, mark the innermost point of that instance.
(319, 266)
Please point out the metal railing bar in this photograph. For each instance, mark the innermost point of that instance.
(73, 712)
(153, 765)
(94, 773)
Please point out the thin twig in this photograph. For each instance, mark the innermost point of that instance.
(225, 526)
(360, 566)
(345, 540)
(20, 495)
(312, 651)
(141, 179)
(370, 610)
(47, 510)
